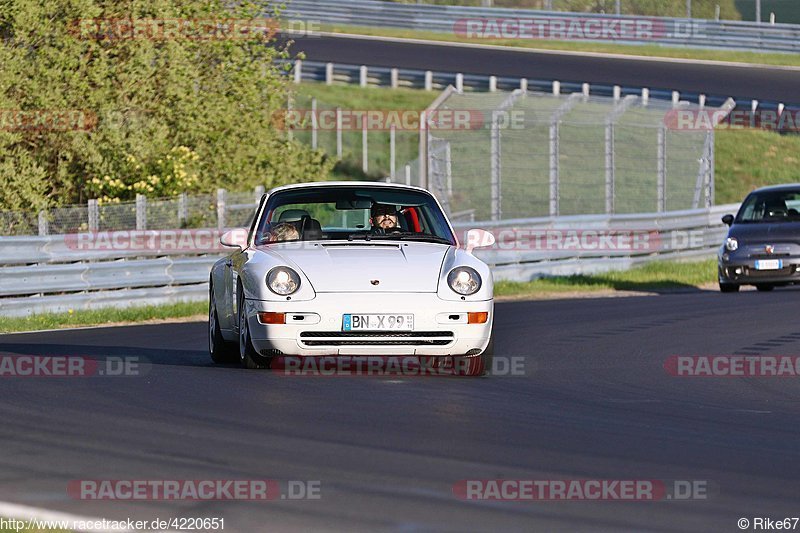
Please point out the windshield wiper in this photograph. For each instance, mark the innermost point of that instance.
(424, 237)
(399, 235)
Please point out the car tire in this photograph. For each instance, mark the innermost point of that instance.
(477, 365)
(765, 287)
(248, 356)
(728, 287)
(219, 349)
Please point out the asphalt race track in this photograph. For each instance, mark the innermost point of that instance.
(742, 83)
(595, 403)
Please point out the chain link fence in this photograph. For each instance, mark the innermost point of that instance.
(221, 210)
(373, 149)
(527, 154)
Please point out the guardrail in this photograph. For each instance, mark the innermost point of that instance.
(442, 19)
(58, 273)
(377, 76)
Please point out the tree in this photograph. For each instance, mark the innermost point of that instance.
(159, 97)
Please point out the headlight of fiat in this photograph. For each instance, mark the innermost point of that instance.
(731, 244)
(464, 280)
(283, 281)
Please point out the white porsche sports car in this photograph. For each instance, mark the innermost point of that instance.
(352, 269)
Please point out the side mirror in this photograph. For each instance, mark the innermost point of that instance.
(478, 238)
(235, 238)
(727, 220)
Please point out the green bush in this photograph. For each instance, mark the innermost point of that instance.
(171, 114)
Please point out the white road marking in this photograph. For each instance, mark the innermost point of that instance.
(26, 513)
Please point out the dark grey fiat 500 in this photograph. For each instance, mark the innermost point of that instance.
(763, 243)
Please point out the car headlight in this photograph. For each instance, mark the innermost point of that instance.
(464, 280)
(283, 281)
(731, 244)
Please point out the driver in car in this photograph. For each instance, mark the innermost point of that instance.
(384, 217)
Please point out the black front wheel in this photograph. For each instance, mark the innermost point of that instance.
(219, 350)
(247, 354)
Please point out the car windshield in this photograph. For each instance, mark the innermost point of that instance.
(771, 206)
(352, 213)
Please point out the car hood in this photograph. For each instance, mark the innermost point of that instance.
(786, 232)
(355, 267)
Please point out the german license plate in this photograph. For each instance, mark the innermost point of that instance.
(769, 264)
(401, 322)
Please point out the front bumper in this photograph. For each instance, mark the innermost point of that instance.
(314, 328)
(743, 271)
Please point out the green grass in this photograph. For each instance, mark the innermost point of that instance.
(101, 317)
(652, 50)
(748, 159)
(355, 97)
(657, 276)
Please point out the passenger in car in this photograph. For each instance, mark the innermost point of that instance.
(284, 231)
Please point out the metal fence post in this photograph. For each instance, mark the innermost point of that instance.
(610, 166)
(329, 74)
(362, 76)
(258, 193)
(339, 127)
(141, 212)
(448, 160)
(712, 175)
(661, 167)
(314, 125)
(43, 224)
(364, 145)
(554, 174)
(393, 151)
(611, 150)
(222, 200)
(93, 214)
(496, 168)
(183, 209)
(428, 80)
(394, 78)
(423, 150)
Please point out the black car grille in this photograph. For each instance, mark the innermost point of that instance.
(753, 273)
(377, 338)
